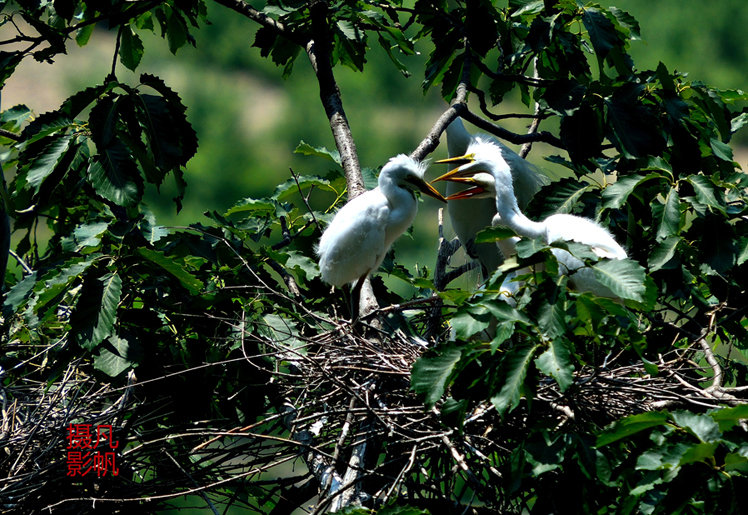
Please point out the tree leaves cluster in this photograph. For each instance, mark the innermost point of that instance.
(649, 156)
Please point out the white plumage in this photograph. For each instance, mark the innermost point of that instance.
(357, 239)
(485, 156)
(468, 218)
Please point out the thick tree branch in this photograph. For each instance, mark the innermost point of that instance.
(319, 52)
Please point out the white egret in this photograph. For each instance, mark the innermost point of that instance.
(468, 218)
(485, 156)
(357, 239)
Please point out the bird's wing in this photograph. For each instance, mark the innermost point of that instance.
(564, 227)
(351, 246)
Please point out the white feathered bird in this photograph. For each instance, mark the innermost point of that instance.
(485, 156)
(468, 218)
(357, 239)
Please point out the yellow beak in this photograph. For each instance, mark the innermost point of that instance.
(457, 175)
(427, 189)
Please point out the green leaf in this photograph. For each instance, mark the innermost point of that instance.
(628, 22)
(62, 281)
(87, 235)
(601, 30)
(297, 260)
(287, 190)
(466, 325)
(492, 234)
(631, 425)
(742, 245)
(307, 150)
(116, 177)
(174, 267)
(83, 34)
(663, 253)
(20, 292)
(131, 48)
(556, 363)
(564, 196)
(95, 312)
(727, 418)
(633, 127)
(176, 32)
(13, 118)
(515, 365)
(701, 452)
(552, 319)
(721, 150)
(705, 191)
(47, 160)
(662, 458)
(669, 222)
(430, 374)
(615, 195)
(527, 247)
(623, 277)
(257, 207)
(704, 427)
(739, 122)
(113, 357)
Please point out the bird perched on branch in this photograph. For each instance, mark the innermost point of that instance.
(357, 239)
(468, 218)
(485, 156)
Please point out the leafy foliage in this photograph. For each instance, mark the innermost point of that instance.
(648, 154)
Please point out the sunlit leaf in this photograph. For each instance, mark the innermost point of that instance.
(556, 362)
(95, 312)
(430, 374)
(174, 267)
(663, 253)
(704, 427)
(113, 357)
(631, 425)
(308, 150)
(623, 277)
(515, 365)
(669, 223)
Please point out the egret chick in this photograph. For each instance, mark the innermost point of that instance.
(468, 218)
(357, 239)
(485, 156)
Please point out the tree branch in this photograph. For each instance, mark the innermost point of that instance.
(501, 132)
(263, 19)
(319, 52)
(431, 141)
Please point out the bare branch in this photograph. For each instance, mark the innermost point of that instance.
(263, 19)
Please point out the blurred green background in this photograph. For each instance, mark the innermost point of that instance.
(249, 120)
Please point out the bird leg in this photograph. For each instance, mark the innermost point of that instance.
(356, 297)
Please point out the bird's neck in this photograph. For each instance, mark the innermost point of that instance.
(512, 217)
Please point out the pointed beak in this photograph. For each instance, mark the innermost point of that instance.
(472, 191)
(428, 189)
(459, 160)
(461, 172)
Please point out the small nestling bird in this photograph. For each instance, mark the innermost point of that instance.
(485, 156)
(357, 239)
(468, 218)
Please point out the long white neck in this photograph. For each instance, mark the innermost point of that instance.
(402, 204)
(512, 217)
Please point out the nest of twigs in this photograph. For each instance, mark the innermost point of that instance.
(346, 428)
